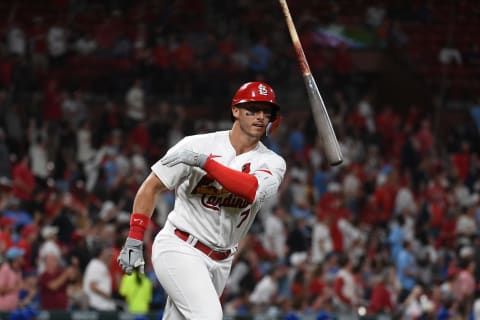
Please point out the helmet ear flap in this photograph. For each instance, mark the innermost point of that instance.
(273, 126)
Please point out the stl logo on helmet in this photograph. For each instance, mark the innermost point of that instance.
(262, 90)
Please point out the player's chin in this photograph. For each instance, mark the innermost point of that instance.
(258, 131)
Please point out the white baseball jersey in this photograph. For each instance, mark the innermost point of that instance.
(203, 207)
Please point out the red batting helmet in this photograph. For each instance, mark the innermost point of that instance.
(255, 92)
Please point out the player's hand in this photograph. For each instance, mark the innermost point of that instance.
(131, 256)
(187, 157)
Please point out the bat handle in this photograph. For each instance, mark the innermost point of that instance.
(305, 68)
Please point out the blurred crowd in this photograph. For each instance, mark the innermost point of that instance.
(392, 230)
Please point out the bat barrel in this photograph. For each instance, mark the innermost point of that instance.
(323, 123)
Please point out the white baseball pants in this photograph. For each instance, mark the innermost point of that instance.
(192, 281)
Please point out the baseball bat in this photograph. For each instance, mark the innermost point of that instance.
(320, 114)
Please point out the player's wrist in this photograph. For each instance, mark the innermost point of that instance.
(138, 225)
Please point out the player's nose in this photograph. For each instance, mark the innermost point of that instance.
(262, 114)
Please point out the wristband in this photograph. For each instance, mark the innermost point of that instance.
(138, 225)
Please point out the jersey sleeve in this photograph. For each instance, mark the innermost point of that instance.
(171, 177)
(269, 175)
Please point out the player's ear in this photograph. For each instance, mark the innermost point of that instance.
(235, 112)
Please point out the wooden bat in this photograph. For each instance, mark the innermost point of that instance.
(320, 114)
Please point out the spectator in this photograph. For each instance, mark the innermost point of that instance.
(298, 292)
(417, 305)
(276, 233)
(365, 110)
(405, 201)
(162, 62)
(135, 103)
(23, 180)
(319, 293)
(322, 243)
(141, 43)
(11, 279)
(266, 291)
(406, 270)
(73, 108)
(466, 226)
(244, 275)
(52, 108)
(122, 47)
(57, 41)
(77, 298)
(105, 34)
(137, 291)
(27, 242)
(183, 62)
(259, 58)
(298, 237)
(85, 151)
(463, 287)
(476, 306)
(396, 236)
(353, 237)
(97, 282)
(38, 44)
(16, 40)
(5, 165)
(48, 247)
(449, 54)
(384, 195)
(6, 231)
(346, 289)
(296, 140)
(342, 62)
(53, 283)
(29, 297)
(352, 189)
(380, 301)
(85, 44)
(39, 160)
(374, 15)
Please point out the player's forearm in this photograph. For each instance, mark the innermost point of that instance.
(239, 183)
(144, 202)
(146, 197)
(143, 206)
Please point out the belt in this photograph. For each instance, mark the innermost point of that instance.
(214, 254)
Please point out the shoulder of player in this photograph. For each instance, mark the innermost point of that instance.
(201, 137)
(273, 156)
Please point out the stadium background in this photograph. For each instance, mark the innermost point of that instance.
(93, 92)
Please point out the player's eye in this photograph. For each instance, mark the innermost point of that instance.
(253, 112)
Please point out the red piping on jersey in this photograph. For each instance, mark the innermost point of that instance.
(239, 183)
(265, 170)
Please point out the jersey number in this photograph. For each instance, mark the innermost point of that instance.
(244, 215)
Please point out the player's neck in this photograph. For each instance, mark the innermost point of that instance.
(242, 143)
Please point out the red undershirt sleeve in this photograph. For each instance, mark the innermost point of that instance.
(240, 183)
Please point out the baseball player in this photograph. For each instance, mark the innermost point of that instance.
(221, 179)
